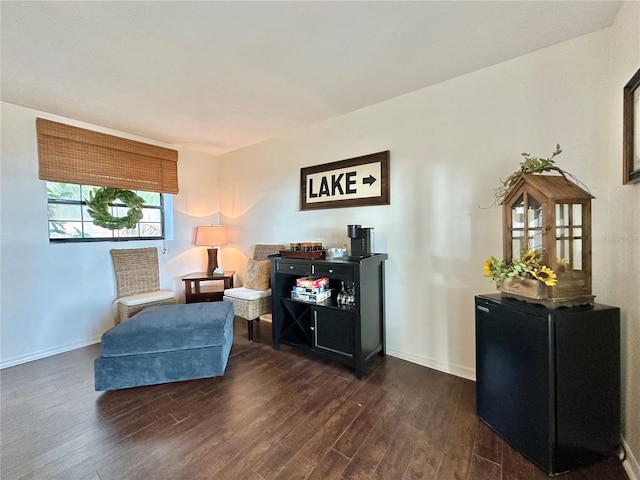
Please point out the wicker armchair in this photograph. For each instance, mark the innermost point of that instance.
(250, 304)
(138, 281)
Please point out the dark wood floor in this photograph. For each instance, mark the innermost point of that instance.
(274, 415)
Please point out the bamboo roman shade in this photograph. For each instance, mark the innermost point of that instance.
(75, 155)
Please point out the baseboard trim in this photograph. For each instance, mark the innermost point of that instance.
(12, 362)
(453, 369)
(630, 464)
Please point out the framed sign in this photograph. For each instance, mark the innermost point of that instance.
(631, 131)
(353, 182)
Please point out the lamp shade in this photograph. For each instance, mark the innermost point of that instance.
(211, 235)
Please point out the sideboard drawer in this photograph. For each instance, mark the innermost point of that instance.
(339, 272)
(293, 268)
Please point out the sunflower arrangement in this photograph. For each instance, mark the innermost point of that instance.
(529, 265)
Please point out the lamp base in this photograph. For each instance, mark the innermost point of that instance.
(212, 267)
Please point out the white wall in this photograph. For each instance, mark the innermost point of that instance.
(450, 144)
(618, 223)
(55, 297)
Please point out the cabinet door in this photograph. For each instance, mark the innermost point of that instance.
(333, 331)
(514, 378)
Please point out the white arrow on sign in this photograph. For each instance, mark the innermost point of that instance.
(358, 181)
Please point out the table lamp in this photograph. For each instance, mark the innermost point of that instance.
(214, 236)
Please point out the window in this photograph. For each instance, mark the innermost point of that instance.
(70, 221)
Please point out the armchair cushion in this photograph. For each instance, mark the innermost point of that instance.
(257, 276)
(147, 297)
(244, 293)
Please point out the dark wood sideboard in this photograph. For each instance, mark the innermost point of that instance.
(347, 334)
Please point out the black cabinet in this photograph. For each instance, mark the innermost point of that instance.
(350, 335)
(548, 380)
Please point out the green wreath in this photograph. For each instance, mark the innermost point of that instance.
(100, 200)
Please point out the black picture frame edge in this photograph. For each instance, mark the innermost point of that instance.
(629, 175)
(383, 199)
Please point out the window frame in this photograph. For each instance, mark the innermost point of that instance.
(114, 238)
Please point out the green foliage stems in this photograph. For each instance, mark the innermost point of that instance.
(531, 164)
(505, 273)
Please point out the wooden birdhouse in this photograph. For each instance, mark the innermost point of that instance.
(552, 214)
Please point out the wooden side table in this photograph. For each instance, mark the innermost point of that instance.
(195, 293)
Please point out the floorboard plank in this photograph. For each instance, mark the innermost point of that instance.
(396, 459)
(483, 469)
(330, 466)
(368, 456)
(488, 445)
(310, 454)
(426, 459)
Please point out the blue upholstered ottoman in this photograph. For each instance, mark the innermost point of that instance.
(167, 343)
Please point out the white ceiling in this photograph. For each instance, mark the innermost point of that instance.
(217, 76)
